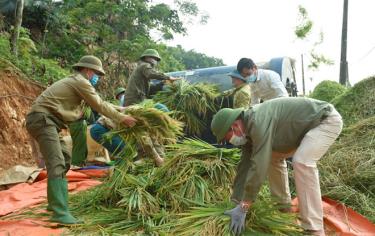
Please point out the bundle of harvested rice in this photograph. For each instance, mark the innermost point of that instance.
(357, 103)
(263, 218)
(190, 102)
(348, 170)
(143, 199)
(327, 90)
(151, 122)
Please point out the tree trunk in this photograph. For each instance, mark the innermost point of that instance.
(17, 25)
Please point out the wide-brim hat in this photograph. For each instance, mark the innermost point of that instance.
(237, 75)
(91, 62)
(223, 120)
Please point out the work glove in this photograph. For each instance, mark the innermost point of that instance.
(238, 216)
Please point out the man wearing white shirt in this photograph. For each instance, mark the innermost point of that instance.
(264, 84)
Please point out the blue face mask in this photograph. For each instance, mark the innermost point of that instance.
(94, 80)
(252, 78)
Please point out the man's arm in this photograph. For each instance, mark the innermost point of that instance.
(150, 73)
(89, 95)
(253, 168)
(277, 85)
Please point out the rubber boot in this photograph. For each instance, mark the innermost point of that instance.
(49, 197)
(58, 202)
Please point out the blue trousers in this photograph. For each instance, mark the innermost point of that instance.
(114, 145)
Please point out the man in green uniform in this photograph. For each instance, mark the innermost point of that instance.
(240, 92)
(58, 105)
(138, 86)
(273, 130)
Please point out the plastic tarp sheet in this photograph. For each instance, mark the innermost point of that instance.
(26, 195)
(343, 220)
(337, 217)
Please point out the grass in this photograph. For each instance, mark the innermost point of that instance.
(357, 103)
(348, 169)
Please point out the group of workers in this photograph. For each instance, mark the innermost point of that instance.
(267, 125)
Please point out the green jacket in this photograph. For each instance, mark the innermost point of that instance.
(138, 86)
(64, 99)
(242, 97)
(276, 125)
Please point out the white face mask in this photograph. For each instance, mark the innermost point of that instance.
(238, 140)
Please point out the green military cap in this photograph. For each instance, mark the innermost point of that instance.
(119, 90)
(91, 62)
(151, 53)
(223, 120)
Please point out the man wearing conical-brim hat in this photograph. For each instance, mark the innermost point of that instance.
(138, 85)
(59, 105)
(268, 133)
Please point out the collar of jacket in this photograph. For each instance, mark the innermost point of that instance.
(78, 74)
(147, 62)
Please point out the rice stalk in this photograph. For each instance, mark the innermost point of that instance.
(191, 103)
(151, 122)
(210, 220)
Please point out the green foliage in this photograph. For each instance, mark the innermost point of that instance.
(327, 90)
(303, 29)
(194, 60)
(115, 31)
(318, 59)
(43, 70)
(357, 103)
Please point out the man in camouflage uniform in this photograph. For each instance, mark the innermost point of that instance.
(138, 86)
(59, 105)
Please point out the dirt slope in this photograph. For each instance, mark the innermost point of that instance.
(16, 96)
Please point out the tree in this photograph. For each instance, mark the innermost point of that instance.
(15, 7)
(17, 26)
(194, 60)
(302, 31)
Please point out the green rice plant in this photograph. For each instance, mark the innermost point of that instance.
(196, 170)
(187, 196)
(191, 103)
(151, 122)
(135, 197)
(262, 218)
